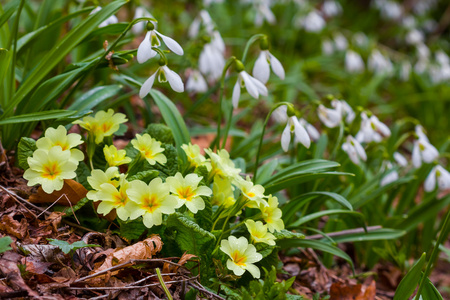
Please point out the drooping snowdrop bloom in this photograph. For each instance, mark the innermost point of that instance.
(253, 86)
(331, 8)
(391, 176)
(313, 22)
(372, 130)
(301, 135)
(414, 37)
(312, 131)
(261, 70)
(327, 47)
(340, 41)
(439, 174)
(202, 19)
(345, 110)
(423, 151)
(355, 151)
(378, 63)
(263, 12)
(353, 62)
(140, 12)
(196, 83)
(400, 159)
(111, 20)
(280, 114)
(391, 10)
(164, 75)
(329, 117)
(420, 131)
(211, 61)
(242, 256)
(152, 39)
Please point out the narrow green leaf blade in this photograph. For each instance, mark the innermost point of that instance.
(94, 97)
(410, 281)
(38, 116)
(329, 212)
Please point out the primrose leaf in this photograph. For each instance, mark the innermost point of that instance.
(204, 216)
(132, 229)
(4, 244)
(25, 149)
(66, 247)
(160, 132)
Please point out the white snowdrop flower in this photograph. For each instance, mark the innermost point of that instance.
(301, 135)
(280, 114)
(253, 86)
(196, 83)
(360, 39)
(391, 10)
(378, 63)
(217, 41)
(423, 51)
(400, 159)
(372, 130)
(331, 8)
(409, 21)
(209, 2)
(442, 58)
(263, 12)
(261, 69)
(391, 176)
(414, 37)
(327, 47)
(211, 62)
(345, 110)
(141, 12)
(421, 66)
(152, 39)
(355, 151)
(353, 62)
(340, 41)
(312, 131)
(313, 22)
(439, 174)
(111, 20)
(164, 75)
(420, 131)
(329, 117)
(203, 18)
(423, 151)
(405, 70)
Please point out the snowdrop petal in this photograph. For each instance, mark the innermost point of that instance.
(415, 156)
(236, 94)
(262, 90)
(300, 133)
(261, 69)
(174, 80)
(400, 159)
(277, 67)
(430, 153)
(249, 84)
(430, 182)
(171, 44)
(313, 132)
(286, 138)
(443, 178)
(145, 51)
(360, 150)
(147, 86)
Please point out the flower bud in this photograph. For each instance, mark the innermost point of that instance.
(150, 26)
(264, 43)
(239, 66)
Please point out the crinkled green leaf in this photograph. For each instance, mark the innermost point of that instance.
(160, 132)
(131, 229)
(145, 176)
(66, 247)
(71, 210)
(287, 234)
(83, 172)
(25, 149)
(204, 217)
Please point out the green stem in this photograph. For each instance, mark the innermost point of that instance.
(434, 255)
(262, 137)
(163, 285)
(338, 141)
(230, 61)
(14, 55)
(84, 77)
(253, 39)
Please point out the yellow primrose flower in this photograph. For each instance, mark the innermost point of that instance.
(222, 192)
(272, 214)
(50, 168)
(188, 191)
(98, 177)
(102, 124)
(259, 233)
(151, 201)
(115, 157)
(193, 154)
(59, 137)
(150, 149)
(242, 255)
(254, 193)
(113, 197)
(222, 165)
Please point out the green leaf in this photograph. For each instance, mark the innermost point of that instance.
(4, 244)
(376, 235)
(318, 245)
(160, 132)
(71, 210)
(38, 116)
(94, 97)
(83, 172)
(5, 58)
(287, 234)
(430, 292)
(329, 212)
(131, 229)
(53, 57)
(8, 11)
(25, 149)
(409, 283)
(204, 217)
(66, 247)
(170, 168)
(173, 119)
(145, 176)
(265, 171)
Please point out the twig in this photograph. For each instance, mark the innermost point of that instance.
(343, 232)
(199, 287)
(15, 199)
(128, 287)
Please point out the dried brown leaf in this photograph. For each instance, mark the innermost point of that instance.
(72, 191)
(11, 270)
(13, 227)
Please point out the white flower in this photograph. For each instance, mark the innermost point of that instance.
(378, 63)
(405, 70)
(327, 47)
(345, 110)
(312, 131)
(196, 83)
(353, 62)
(294, 126)
(414, 36)
(211, 61)
(313, 22)
(360, 39)
(111, 20)
(280, 114)
(140, 12)
(151, 39)
(164, 74)
(203, 18)
(340, 41)
(331, 8)
(329, 117)
(391, 174)
(254, 87)
(423, 151)
(400, 159)
(372, 130)
(442, 176)
(420, 131)
(442, 58)
(263, 12)
(390, 10)
(354, 150)
(261, 70)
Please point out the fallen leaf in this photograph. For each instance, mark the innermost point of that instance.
(347, 291)
(13, 227)
(72, 192)
(43, 253)
(12, 270)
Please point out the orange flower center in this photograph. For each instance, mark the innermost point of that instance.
(150, 203)
(186, 193)
(51, 171)
(238, 258)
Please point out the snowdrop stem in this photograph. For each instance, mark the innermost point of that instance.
(253, 39)
(228, 64)
(262, 136)
(434, 254)
(338, 141)
(161, 54)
